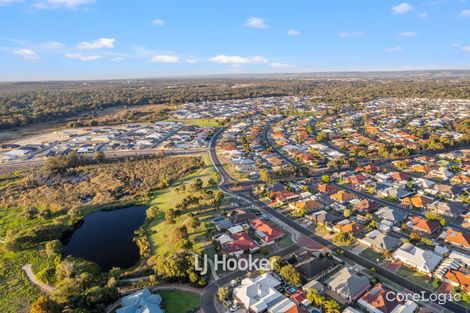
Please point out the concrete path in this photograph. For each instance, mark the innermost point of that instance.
(44, 287)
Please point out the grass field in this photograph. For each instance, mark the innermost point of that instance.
(179, 301)
(168, 198)
(203, 122)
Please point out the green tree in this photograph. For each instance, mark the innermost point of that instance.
(275, 262)
(170, 216)
(265, 176)
(291, 275)
(325, 179)
(222, 294)
(44, 304)
(331, 306)
(53, 247)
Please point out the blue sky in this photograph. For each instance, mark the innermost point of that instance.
(94, 39)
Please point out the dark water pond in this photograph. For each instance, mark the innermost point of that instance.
(105, 237)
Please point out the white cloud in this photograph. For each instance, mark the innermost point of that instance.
(52, 45)
(82, 57)
(52, 4)
(117, 59)
(351, 34)
(26, 53)
(464, 13)
(164, 58)
(294, 32)
(422, 14)
(234, 59)
(7, 2)
(280, 65)
(191, 61)
(406, 35)
(158, 22)
(402, 8)
(394, 49)
(466, 49)
(101, 43)
(256, 22)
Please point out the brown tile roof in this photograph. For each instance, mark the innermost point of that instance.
(460, 238)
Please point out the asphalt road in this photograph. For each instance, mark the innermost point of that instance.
(454, 307)
(209, 295)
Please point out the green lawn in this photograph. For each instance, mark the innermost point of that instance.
(372, 256)
(179, 301)
(417, 278)
(286, 240)
(168, 198)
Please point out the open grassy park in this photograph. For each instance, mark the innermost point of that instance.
(166, 199)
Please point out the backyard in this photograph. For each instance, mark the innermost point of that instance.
(179, 301)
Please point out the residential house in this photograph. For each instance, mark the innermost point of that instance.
(305, 206)
(427, 227)
(396, 216)
(459, 239)
(300, 298)
(260, 295)
(395, 192)
(285, 196)
(369, 168)
(380, 242)
(322, 217)
(265, 231)
(141, 301)
(441, 173)
(461, 179)
(446, 191)
(366, 205)
(459, 278)
(348, 284)
(327, 188)
(418, 201)
(376, 301)
(237, 243)
(356, 179)
(447, 208)
(400, 176)
(347, 226)
(342, 196)
(424, 261)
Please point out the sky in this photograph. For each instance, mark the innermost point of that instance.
(106, 39)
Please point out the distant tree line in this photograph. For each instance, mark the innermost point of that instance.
(27, 103)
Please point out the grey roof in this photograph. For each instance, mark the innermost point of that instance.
(382, 241)
(347, 283)
(391, 214)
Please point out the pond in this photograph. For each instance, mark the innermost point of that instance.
(105, 237)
